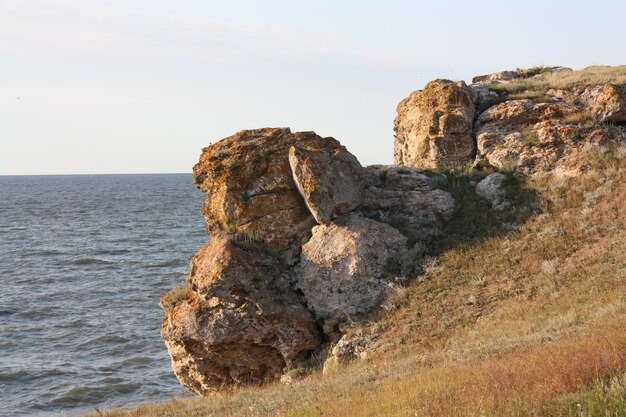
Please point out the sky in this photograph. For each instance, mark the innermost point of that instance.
(141, 86)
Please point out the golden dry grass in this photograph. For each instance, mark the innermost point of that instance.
(545, 334)
(536, 87)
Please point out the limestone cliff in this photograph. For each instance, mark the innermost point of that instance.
(271, 286)
(525, 120)
(306, 243)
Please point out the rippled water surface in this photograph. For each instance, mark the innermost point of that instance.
(83, 262)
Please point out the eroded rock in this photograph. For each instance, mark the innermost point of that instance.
(434, 126)
(610, 104)
(521, 134)
(407, 199)
(343, 273)
(250, 187)
(241, 324)
(330, 179)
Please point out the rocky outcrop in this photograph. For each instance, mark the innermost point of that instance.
(605, 103)
(269, 287)
(250, 188)
(329, 179)
(242, 322)
(434, 126)
(526, 121)
(342, 271)
(307, 243)
(407, 199)
(505, 133)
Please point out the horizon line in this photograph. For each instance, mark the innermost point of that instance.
(94, 173)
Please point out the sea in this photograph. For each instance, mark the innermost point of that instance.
(83, 262)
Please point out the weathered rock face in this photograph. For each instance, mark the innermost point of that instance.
(434, 126)
(242, 323)
(407, 199)
(610, 104)
(450, 124)
(329, 179)
(342, 271)
(250, 188)
(505, 132)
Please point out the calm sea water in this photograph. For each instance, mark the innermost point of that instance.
(83, 262)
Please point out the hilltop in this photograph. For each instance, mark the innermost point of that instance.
(483, 274)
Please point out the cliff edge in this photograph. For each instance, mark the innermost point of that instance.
(307, 244)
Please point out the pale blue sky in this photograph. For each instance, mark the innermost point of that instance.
(121, 86)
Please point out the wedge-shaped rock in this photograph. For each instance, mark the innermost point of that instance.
(242, 323)
(330, 179)
(343, 273)
(434, 126)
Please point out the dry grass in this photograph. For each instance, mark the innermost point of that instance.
(536, 87)
(525, 382)
(543, 336)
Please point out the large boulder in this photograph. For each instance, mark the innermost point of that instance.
(241, 322)
(250, 188)
(342, 273)
(330, 179)
(407, 199)
(434, 126)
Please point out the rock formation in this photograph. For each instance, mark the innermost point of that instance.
(527, 121)
(406, 198)
(250, 189)
(305, 242)
(342, 272)
(242, 322)
(269, 287)
(490, 189)
(434, 126)
(330, 180)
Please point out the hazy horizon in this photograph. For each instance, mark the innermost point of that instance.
(101, 87)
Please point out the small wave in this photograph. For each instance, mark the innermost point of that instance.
(172, 262)
(74, 324)
(36, 252)
(126, 388)
(77, 396)
(111, 251)
(36, 313)
(136, 360)
(16, 375)
(101, 340)
(83, 395)
(89, 261)
(7, 311)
